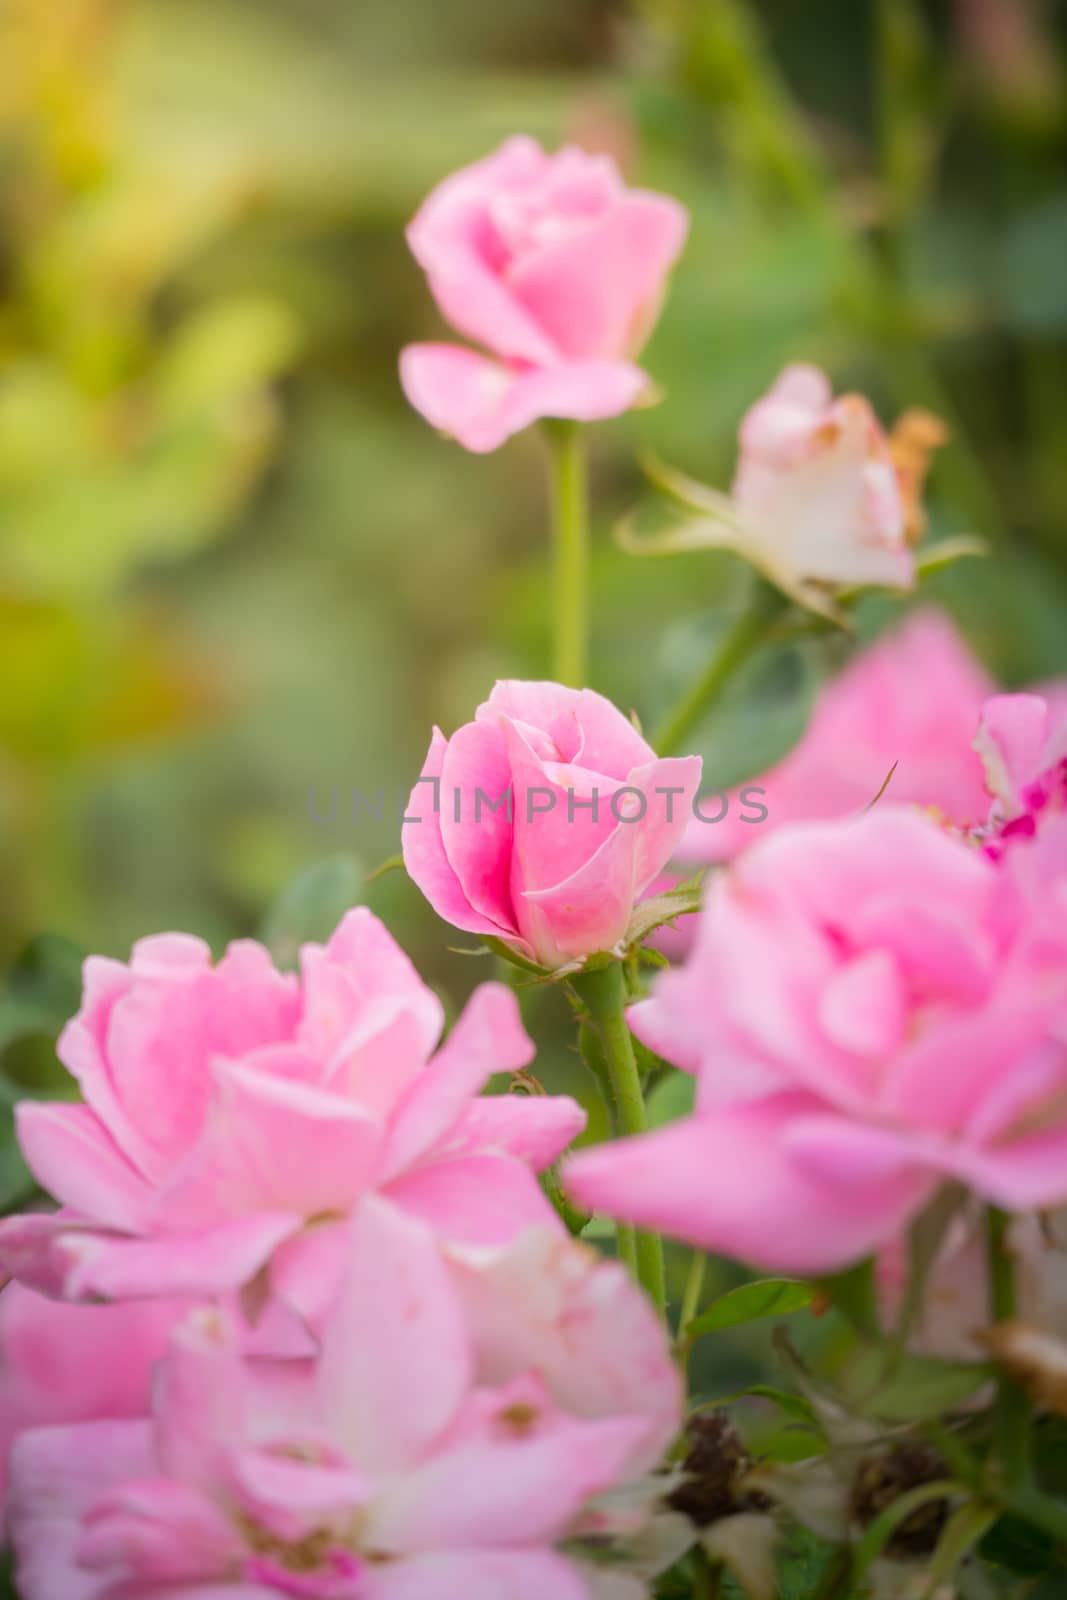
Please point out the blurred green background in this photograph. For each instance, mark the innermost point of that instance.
(239, 578)
(237, 574)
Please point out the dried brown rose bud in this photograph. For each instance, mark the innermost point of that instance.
(881, 1479)
(715, 1465)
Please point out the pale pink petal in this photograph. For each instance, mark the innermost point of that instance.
(272, 1145)
(368, 1017)
(778, 427)
(864, 1006)
(481, 403)
(726, 1181)
(158, 1529)
(597, 289)
(395, 1355)
(451, 238)
(163, 1032)
(73, 1157)
(583, 726)
(473, 1575)
(475, 1199)
(203, 1400)
(211, 1261)
(292, 1495)
(1011, 739)
(552, 1306)
(503, 1483)
(56, 1475)
(306, 1269)
(924, 1086)
(488, 1037)
(535, 1129)
(1024, 1174)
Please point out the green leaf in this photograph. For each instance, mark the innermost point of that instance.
(312, 906)
(961, 1533)
(661, 909)
(936, 557)
(794, 1405)
(920, 1387)
(768, 1297)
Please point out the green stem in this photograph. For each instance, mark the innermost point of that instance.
(707, 1576)
(1011, 1416)
(603, 991)
(747, 632)
(570, 552)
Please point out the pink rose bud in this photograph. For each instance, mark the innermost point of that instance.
(557, 269)
(544, 821)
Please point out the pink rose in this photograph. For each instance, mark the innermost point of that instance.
(871, 1006)
(558, 270)
(585, 818)
(816, 486)
(910, 702)
(235, 1115)
(62, 1363)
(442, 1443)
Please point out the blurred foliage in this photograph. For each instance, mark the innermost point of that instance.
(239, 579)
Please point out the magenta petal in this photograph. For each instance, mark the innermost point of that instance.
(727, 1181)
(476, 818)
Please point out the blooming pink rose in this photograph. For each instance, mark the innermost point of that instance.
(816, 487)
(911, 703)
(234, 1114)
(63, 1363)
(437, 1447)
(871, 1006)
(558, 270)
(585, 818)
